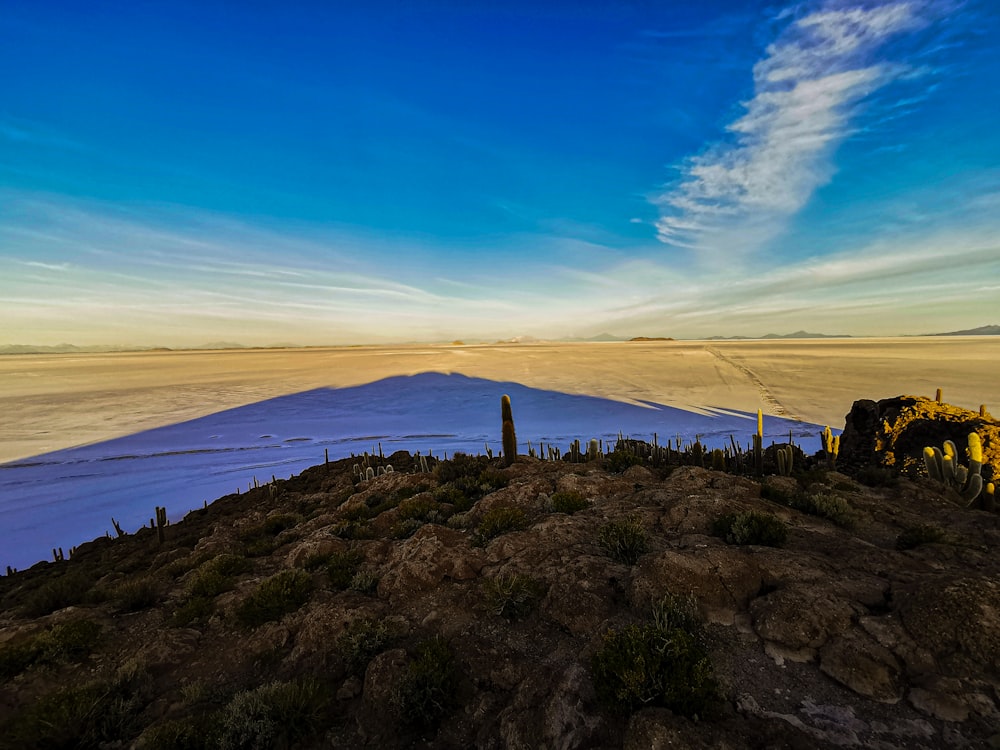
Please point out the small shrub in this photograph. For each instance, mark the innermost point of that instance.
(136, 594)
(195, 609)
(65, 591)
(497, 521)
(418, 509)
(914, 536)
(568, 502)
(678, 611)
(751, 527)
(274, 525)
(275, 597)
(451, 495)
(91, 715)
(461, 465)
(363, 640)
(618, 461)
(261, 540)
(877, 476)
(510, 595)
(403, 493)
(364, 582)
(647, 665)
(829, 506)
(199, 732)
(809, 477)
(342, 567)
(362, 511)
(274, 715)
(625, 540)
(776, 494)
(405, 529)
(353, 530)
(427, 691)
(72, 640)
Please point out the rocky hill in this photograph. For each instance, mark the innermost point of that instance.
(638, 599)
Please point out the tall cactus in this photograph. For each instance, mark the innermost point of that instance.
(831, 446)
(507, 431)
(758, 445)
(942, 465)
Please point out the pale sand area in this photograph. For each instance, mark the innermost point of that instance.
(51, 402)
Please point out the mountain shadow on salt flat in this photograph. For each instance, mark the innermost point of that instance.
(67, 497)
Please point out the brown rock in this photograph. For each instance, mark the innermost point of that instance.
(722, 578)
(858, 662)
(800, 616)
(895, 431)
(431, 555)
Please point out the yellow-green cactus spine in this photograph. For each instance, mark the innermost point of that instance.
(831, 445)
(943, 466)
(507, 431)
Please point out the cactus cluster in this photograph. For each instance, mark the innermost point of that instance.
(786, 455)
(943, 466)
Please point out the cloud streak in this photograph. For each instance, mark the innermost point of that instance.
(738, 194)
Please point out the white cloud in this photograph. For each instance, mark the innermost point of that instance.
(739, 194)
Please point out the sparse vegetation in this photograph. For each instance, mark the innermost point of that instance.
(79, 717)
(510, 595)
(276, 596)
(274, 715)
(427, 691)
(625, 540)
(497, 521)
(619, 460)
(913, 536)
(341, 567)
(659, 663)
(568, 502)
(363, 640)
(72, 640)
(136, 594)
(752, 527)
(68, 589)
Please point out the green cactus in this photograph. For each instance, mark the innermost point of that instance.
(758, 445)
(507, 431)
(942, 465)
(831, 446)
(786, 455)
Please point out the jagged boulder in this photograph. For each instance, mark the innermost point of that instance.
(893, 432)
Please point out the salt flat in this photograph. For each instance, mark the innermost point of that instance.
(51, 402)
(88, 438)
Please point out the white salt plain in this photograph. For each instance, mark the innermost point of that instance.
(85, 438)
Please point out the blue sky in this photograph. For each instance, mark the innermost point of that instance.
(178, 173)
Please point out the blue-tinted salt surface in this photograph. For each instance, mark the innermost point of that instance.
(63, 498)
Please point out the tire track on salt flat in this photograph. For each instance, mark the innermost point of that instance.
(765, 394)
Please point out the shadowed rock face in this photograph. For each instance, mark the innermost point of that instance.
(837, 639)
(894, 432)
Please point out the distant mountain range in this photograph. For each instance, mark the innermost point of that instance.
(796, 335)
(106, 348)
(987, 330)
(993, 330)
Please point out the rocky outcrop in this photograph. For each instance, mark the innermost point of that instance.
(894, 431)
(837, 639)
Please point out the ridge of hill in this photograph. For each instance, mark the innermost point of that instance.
(629, 600)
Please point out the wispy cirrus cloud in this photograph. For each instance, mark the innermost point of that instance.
(739, 193)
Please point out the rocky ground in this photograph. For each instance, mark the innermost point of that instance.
(548, 604)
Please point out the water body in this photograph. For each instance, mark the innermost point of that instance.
(67, 497)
